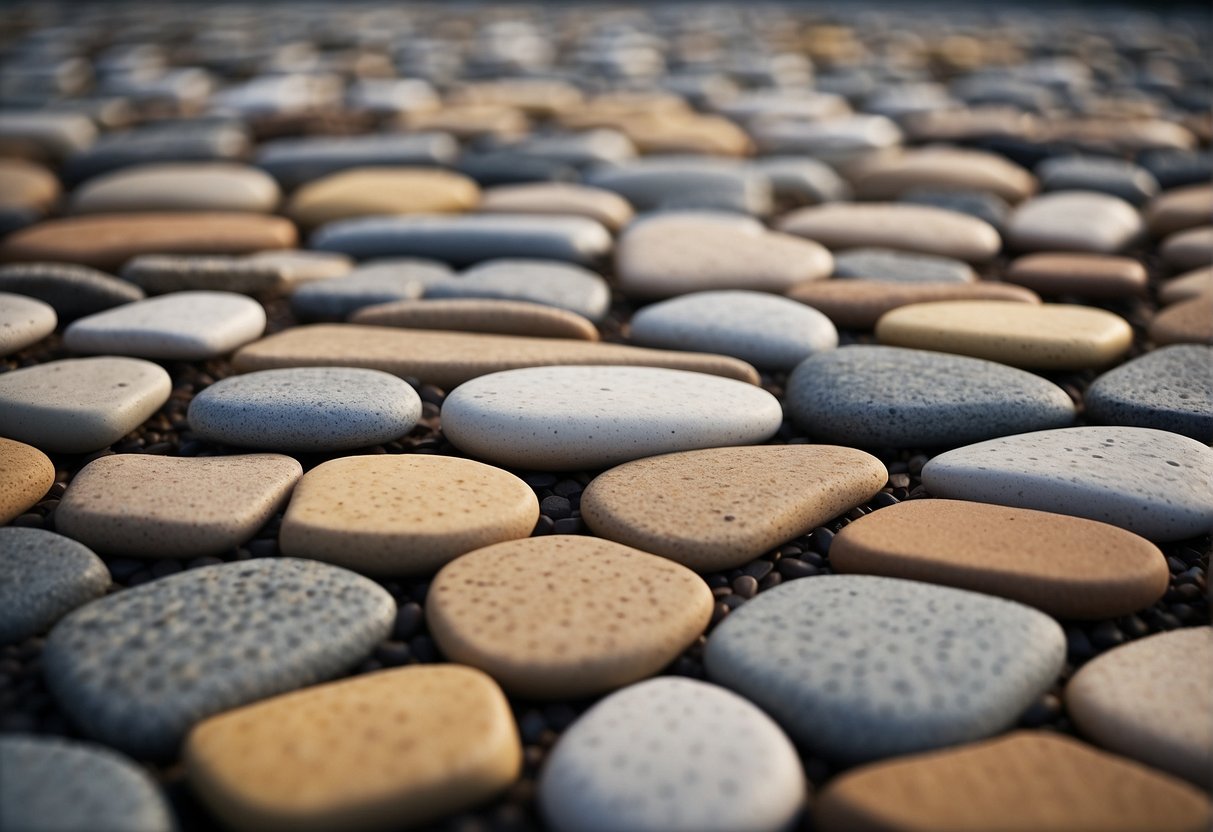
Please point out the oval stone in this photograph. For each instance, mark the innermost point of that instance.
(178, 186)
(900, 226)
(1170, 388)
(945, 169)
(44, 577)
(559, 199)
(1179, 209)
(490, 315)
(380, 281)
(361, 192)
(26, 474)
(74, 291)
(1186, 322)
(24, 321)
(560, 285)
(1082, 275)
(858, 304)
(901, 267)
(1188, 249)
(1074, 221)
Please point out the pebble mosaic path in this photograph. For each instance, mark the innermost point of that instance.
(478, 420)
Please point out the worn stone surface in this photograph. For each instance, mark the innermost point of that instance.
(1179, 209)
(1170, 388)
(178, 186)
(1186, 322)
(45, 576)
(901, 267)
(23, 321)
(25, 476)
(900, 226)
(265, 273)
(73, 290)
(943, 168)
(859, 304)
(361, 192)
(1074, 221)
(1188, 249)
(561, 285)
(1097, 276)
(376, 282)
(489, 315)
(559, 199)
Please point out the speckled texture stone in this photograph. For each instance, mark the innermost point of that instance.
(858, 304)
(23, 321)
(387, 750)
(901, 267)
(404, 515)
(79, 405)
(463, 240)
(43, 576)
(489, 315)
(1170, 389)
(942, 168)
(1154, 483)
(1068, 567)
(719, 508)
(448, 359)
(305, 409)
(74, 291)
(139, 505)
(586, 418)
(140, 668)
(186, 326)
(380, 281)
(178, 186)
(267, 273)
(361, 192)
(560, 285)
(1074, 221)
(615, 616)
(1186, 286)
(1149, 701)
(915, 228)
(68, 786)
(1024, 780)
(679, 252)
(559, 199)
(1185, 322)
(889, 673)
(763, 329)
(889, 397)
(1050, 336)
(1098, 276)
(25, 476)
(1188, 249)
(641, 760)
(1104, 174)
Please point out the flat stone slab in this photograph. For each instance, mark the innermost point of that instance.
(1148, 700)
(558, 199)
(1186, 322)
(1151, 482)
(404, 515)
(145, 506)
(889, 397)
(183, 326)
(305, 409)
(448, 359)
(1122, 179)
(178, 186)
(1074, 221)
(264, 273)
(895, 225)
(889, 674)
(559, 285)
(501, 317)
(615, 616)
(138, 669)
(585, 418)
(26, 474)
(1024, 780)
(679, 252)
(45, 576)
(380, 281)
(367, 191)
(1098, 276)
(73, 290)
(859, 304)
(294, 161)
(901, 267)
(942, 168)
(79, 405)
(70, 786)
(1170, 388)
(24, 321)
(377, 760)
(106, 241)
(1068, 567)
(640, 760)
(1049, 336)
(719, 508)
(464, 240)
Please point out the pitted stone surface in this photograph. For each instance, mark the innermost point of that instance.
(25, 476)
(74, 291)
(1170, 388)
(43, 576)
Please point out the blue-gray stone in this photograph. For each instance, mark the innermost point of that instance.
(294, 161)
(802, 180)
(900, 266)
(73, 290)
(1175, 167)
(981, 204)
(379, 281)
(651, 183)
(43, 577)
(214, 142)
(1170, 389)
(1126, 180)
(560, 285)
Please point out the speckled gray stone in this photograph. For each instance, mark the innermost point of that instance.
(138, 669)
(1170, 389)
(1154, 483)
(73, 290)
(765, 330)
(296, 160)
(306, 409)
(641, 759)
(859, 667)
(1108, 175)
(23, 321)
(581, 418)
(379, 281)
(901, 266)
(52, 784)
(263, 273)
(889, 397)
(551, 284)
(44, 576)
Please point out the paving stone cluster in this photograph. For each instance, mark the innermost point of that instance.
(486, 417)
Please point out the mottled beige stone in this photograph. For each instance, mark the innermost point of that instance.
(369, 191)
(1188, 249)
(561, 199)
(26, 474)
(942, 169)
(503, 317)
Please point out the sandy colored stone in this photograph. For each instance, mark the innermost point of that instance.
(471, 121)
(1096, 276)
(1186, 322)
(1179, 209)
(1149, 701)
(382, 190)
(143, 506)
(179, 186)
(451, 358)
(1186, 286)
(27, 186)
(561, 198)
(719, 508)
(1047, 336)
(942, 169)
(1066, 566)
(388, 750)
(858, 304)
(107, 241)
(565, 616)
(404, 515)
(1026, 780)
(1189, 249)
(26, 474)
(1074, 221)
(536, 96)
(901, 226)
(672, 131)
(504, 317)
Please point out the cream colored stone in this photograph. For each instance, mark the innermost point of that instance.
(504, 317)
(1083, 275)
(942, 169)
(1074, 221)
(916, 228)
(858, 304)
(27, 186)
(179, 186)
(26, 474)
(559, 198)
(369, 191)
(471, 121)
